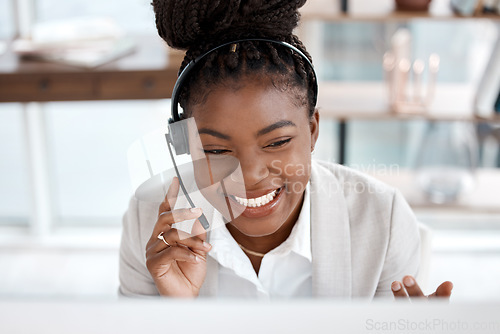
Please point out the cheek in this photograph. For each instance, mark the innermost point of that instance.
(294, 167)
(298, 176)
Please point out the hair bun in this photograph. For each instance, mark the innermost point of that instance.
(187, 23)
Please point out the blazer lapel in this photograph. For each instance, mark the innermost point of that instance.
(330, 235)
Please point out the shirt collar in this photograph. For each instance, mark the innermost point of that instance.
(299, 240)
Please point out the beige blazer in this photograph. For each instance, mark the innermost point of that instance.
(363, 237)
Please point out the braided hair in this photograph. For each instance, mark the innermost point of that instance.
(200, 25)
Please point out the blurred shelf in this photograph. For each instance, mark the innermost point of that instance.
(380, 10)
(483, 198)
(148, 73)
(368, 101)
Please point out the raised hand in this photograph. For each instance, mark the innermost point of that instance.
(409, 288)
(176, 259)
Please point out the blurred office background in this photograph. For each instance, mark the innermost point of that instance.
(62, 239)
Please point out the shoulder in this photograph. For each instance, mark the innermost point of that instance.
(134, 276)
(351, 182)
(366, 199)
(382, 230)
(141, 217)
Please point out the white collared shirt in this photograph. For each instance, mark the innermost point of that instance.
(285, 271)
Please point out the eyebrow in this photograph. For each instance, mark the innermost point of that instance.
(274, 126)
(213, 133)
(267, 129)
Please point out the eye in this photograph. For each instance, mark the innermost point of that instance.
(279, 143)
(216, 152)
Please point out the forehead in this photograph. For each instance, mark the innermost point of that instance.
(253, 105)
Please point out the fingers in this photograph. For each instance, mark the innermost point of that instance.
(397, 290)
(171, 197)
(201, 233)
(412, 287)
(170, 255)
(409, 288)
(167, 218)
(443, 291)
(175, 238)
(198, 230)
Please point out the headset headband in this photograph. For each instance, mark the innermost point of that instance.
(192, 64)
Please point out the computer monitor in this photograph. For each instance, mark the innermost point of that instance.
(243, 316)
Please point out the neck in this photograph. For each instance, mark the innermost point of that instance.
(264, 244)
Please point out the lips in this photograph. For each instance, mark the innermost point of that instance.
(258, 201)
(258, 206)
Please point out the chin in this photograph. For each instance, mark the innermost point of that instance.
(251, 228)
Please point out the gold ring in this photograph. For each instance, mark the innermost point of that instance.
(160, 236)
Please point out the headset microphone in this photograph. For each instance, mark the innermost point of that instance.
(203, 220)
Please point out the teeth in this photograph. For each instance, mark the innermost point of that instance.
(256, 202)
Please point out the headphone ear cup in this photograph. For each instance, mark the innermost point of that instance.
(179, 137)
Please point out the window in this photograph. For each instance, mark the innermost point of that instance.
(133, 16)
(353, 52)
(15, 196)
(88, 143)
(7, 19)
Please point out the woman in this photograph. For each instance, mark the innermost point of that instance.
(307, 228)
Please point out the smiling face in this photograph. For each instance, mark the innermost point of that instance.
(271, 135)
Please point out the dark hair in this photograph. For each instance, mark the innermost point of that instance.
(200, 25)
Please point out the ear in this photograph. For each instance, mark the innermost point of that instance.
(314, 126)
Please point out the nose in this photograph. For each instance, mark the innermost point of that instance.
(254, 168)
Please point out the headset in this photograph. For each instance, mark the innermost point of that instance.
(178, 136)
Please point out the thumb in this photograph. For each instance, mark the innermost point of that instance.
(444, 290)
